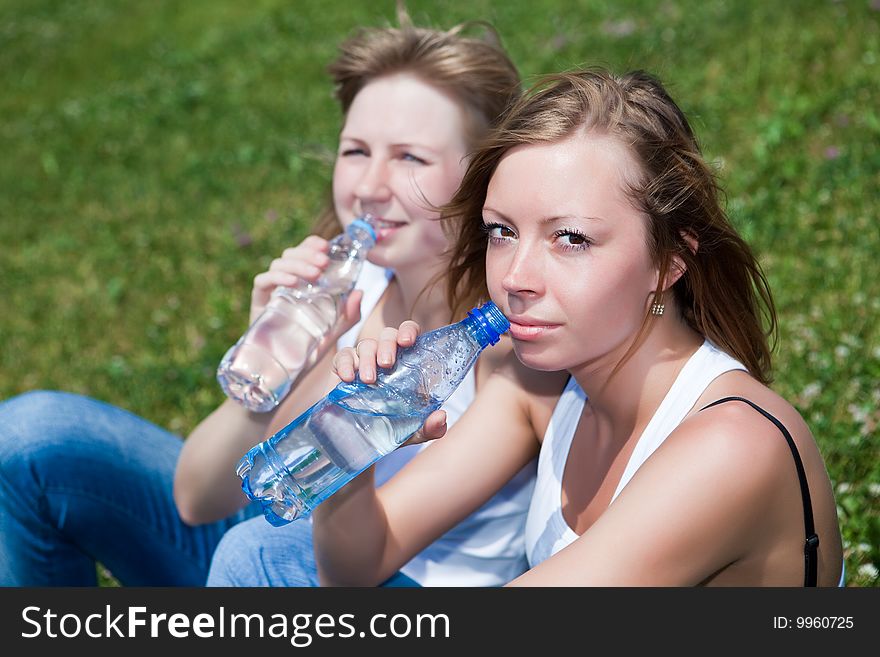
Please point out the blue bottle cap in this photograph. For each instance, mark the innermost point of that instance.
(365, 223)
(491, 320)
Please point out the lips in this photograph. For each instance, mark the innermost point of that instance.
(386, 227)
(527, 328)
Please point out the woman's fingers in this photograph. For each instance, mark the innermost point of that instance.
(345, 364)
(315, 243)
(269, 280)
(300, 268)
(366, 352)
(390, 339)
(387, 348)
(308, 248)
(370, 354)
(306, 261)
(264, 284)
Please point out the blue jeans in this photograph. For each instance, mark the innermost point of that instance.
(255, 553)
(83, 481)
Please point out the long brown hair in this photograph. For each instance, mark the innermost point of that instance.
(475, 70)
(723, 293)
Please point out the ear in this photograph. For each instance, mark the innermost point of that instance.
(677, 266)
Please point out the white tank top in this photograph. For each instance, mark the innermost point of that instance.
(485, 549)
(547, 532)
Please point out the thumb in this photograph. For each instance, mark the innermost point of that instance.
(351, 310)
(433, 428)
(349, 315)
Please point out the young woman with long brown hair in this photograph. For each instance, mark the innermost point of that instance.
(591, 219)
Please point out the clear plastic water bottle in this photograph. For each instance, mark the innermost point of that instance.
(357, 424)
(259, 369)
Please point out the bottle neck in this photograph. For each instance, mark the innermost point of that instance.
(361, 234)
(485, 324)
(476, 332)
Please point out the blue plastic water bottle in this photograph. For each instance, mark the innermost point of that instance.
(357, 424)
(259, 369)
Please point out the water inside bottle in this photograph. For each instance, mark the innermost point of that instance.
(250, 375)
(338, 276)
(293, 330)
(260, 369)
(297, 469)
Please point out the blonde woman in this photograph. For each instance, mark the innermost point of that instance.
(83, 481)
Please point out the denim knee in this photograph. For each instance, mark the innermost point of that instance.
(31, 450)
(63, 440)
(30, 436)
(17, 413)
(254, 553)
(236, 552)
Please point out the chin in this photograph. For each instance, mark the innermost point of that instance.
(536, 358)
(378, 255)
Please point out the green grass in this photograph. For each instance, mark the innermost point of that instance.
(157, 155)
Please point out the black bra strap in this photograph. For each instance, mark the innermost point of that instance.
(812, 543)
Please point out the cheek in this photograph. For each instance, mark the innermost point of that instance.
(616, 294)
(341, 182)
(450, 182)
(436, 186)
(495, 271)
(432, 232)
(347, 173)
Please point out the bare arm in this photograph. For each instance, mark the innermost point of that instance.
(707, 501)
(205, 485)
(363, 535)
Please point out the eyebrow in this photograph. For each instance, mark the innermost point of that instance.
(548, 220)
(400, 145)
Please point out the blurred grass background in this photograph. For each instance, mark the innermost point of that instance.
(157, 155)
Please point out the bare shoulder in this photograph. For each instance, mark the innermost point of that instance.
(744, 436)
(493, 358)
(763, 413)
(744, 470)
(533, 391)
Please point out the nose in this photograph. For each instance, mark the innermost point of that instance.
(374, 184)
(525, 273)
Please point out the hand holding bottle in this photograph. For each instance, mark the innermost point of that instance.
(304, 262)
(309, 304)
(358, 423)
(369, 354)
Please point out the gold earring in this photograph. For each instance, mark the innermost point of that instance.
(657, 308)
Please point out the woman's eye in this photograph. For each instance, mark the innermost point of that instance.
(573, 240)
(409, 157)
(498, 232)
(347, 152)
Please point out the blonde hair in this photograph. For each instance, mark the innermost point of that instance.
(474, 70)
(723, 293)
